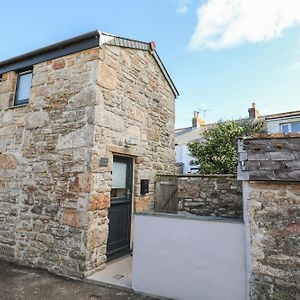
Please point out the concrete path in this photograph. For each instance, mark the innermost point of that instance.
(19, 283)
(117, 272)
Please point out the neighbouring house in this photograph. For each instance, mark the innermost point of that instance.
(85, 125)
(183, 136)
(283, 122)
(286, 122)
(276, 123)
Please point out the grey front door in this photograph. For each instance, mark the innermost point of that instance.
(119, 213)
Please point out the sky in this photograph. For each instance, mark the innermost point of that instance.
(221, 54)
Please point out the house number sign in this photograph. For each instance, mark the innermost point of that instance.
(103, 162)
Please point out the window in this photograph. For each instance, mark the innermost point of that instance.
(295, 127)
(119, 179)
(290, 127)
(23, 87)
(284, 128)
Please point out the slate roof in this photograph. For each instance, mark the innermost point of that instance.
(188, 134)
(289, 114)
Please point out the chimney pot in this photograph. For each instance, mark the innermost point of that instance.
(197, 121)
(253, 112)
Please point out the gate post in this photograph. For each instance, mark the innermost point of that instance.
(269, 167)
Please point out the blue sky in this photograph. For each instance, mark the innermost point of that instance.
(222, 55)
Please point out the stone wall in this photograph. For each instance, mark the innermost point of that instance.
(274, 218)
(54, 196)
(134, 101)
(45, 155)
(272, 210)
(219, 195)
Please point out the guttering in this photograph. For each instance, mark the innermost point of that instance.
(66, 47)
(78, 43)
(282, 116)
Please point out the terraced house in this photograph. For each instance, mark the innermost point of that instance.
(85, 125)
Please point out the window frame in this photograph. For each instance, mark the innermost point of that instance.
(18, 102)
(289, 127)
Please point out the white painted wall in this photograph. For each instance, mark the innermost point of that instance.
(189, 259)
(273, 126)
(183, 155)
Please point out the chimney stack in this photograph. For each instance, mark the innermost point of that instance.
(197, 121)
(253, 112)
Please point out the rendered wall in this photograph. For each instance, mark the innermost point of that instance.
(273, 126)
(183, 155)
(189, 259)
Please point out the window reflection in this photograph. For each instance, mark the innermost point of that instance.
(119, 180)
(23, 87)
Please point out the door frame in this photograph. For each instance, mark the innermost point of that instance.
(130, 182)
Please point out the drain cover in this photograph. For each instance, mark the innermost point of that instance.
(118, 276)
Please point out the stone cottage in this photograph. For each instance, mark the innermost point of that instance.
(85, 125)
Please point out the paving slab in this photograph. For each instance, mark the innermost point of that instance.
(117, 272)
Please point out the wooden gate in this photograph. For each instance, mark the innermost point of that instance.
(166, 194)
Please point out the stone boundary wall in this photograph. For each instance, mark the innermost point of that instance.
(274, 225)
(210, 195)
(272, 215)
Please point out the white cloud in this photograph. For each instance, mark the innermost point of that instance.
(183, 6)
(228, 23)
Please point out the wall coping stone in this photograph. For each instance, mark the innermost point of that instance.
(200, 175)
(191, 217)
(274, 157)
(278, 135)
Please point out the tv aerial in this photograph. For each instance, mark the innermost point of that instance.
(204, 110)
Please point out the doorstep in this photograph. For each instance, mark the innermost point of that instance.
(117, 272)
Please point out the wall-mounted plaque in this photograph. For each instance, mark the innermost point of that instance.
(103, 162)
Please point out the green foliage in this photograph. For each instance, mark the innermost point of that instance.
(217, 153)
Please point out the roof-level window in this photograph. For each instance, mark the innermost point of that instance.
(23, 87)
(290, 127)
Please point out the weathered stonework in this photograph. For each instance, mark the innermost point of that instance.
(54, 196)
(219, 196)
(202, 195)
(274, 157)
(272, 215)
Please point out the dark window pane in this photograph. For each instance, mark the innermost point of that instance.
(23, 88)
(295, 127)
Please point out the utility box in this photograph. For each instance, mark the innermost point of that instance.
(144, 186)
